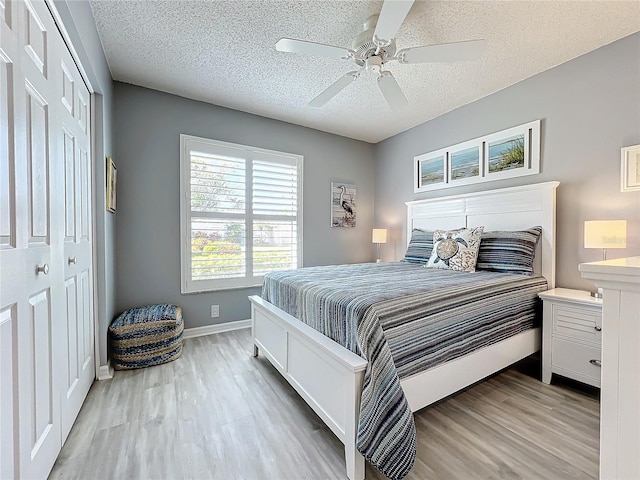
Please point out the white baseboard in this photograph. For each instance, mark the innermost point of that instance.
(105, 372)
(218, 328)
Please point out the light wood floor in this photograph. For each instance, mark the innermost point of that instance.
(218, 413)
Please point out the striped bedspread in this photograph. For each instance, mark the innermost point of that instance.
(403, 319)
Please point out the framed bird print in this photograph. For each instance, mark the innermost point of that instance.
(343, 204)
(112, 172)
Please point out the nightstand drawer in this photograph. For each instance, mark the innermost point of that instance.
(574, 360)
(578, 323)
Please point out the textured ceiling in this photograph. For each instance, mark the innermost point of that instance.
(222, 52)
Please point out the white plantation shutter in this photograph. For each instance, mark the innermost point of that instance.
(275, 212)
(241, 214)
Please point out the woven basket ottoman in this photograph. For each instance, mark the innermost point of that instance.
(145, 336)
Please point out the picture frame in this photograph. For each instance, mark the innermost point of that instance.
(465, 163)
(509, 153)
(343, 204)
(630, 169)
(513, 152)
(112, 178)
(431, 169)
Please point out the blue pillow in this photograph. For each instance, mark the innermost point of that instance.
(420, 246)
(508, 252)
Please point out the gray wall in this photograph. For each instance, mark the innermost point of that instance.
(80, 25)
(590, 108)
(147, 132)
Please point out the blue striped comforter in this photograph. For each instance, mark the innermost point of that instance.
(403, 319)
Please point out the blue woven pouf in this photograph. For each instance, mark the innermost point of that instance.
(145, 336)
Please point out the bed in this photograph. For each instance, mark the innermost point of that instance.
(331, 377)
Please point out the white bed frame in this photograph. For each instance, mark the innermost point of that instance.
(329, 377)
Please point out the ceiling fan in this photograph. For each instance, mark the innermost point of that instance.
(375, 47)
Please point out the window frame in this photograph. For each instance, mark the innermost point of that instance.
(187, 284)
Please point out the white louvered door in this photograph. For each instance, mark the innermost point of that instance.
(45, 305)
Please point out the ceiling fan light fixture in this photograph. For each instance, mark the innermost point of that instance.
(374, 64)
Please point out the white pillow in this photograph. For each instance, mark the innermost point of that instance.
(456, 249)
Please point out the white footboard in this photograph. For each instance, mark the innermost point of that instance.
(326, 375)
(329, 377)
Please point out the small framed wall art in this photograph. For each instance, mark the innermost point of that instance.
(630, 169)
(343, 205)
(431, 169)
(112, 177)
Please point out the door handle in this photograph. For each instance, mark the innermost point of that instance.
(72, 260)
(598, 329)
(597, 363)
(42, 269)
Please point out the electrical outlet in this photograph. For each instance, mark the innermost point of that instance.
(215, 311)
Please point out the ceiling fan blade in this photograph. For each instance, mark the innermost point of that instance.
(390, 19)
(446, 52)
(334, 89)
(312, 48)
(391, 91)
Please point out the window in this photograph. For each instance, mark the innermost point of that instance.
(241, 214)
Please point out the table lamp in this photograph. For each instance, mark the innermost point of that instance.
(379, 236)
(605, 234)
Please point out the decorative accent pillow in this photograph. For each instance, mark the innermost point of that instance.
(509, 252)
(420, 246)
(455, 249)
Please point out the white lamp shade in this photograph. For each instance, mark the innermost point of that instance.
(379, 235)
(605, 234)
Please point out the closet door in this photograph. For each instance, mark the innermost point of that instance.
(46, 311)
(72, 131)
(32, 276)
(9, 259)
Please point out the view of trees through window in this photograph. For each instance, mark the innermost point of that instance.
(219, 218)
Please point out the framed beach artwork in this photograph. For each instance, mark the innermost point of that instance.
(112, 177)
(506, 154)
(430, 170)
(630, 169)
(513, 152)
(343, 204)
(465, 162)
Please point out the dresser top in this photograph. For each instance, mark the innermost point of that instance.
(625, 270)
(573, 296)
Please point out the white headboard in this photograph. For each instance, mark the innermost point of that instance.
(515, 208)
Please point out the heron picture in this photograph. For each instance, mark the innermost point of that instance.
(343, 205)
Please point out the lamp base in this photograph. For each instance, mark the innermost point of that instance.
(596, 294)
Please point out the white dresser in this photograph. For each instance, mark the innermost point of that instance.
(571, 335)
(620, 391)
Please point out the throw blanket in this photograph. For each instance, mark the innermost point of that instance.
(369, 307)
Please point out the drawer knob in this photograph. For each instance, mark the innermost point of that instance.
(598, 329)
(595, 362)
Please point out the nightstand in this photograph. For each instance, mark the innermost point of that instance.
(571, 335)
